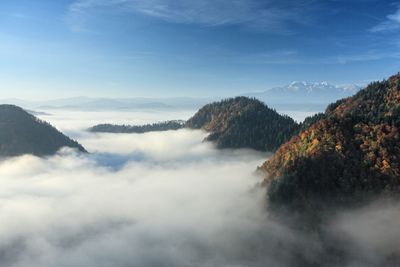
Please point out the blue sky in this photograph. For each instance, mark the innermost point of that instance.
(128, 48)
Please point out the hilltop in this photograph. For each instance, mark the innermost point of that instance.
(243, 122)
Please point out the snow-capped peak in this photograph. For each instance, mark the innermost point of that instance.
(308, 88)
(307, 92)
(324, 83)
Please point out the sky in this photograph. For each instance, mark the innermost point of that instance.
(163, 48)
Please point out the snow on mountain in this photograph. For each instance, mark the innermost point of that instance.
(301, 92)
(317, 87)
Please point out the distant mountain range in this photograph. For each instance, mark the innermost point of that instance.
(89, 103)
(22, 133)
(303, 95)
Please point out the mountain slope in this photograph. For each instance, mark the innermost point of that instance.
(22, 133)
(242, 122)
(349, 154)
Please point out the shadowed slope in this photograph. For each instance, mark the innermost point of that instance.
(243, 122)
(22, 133)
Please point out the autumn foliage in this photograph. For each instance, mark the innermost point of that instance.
(351, 152)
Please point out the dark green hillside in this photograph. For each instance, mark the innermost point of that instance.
(349, 154)
(22, 133)
(155, 127)
(243, 122)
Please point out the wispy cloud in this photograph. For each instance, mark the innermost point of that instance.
(269, 15)
(391, 23)
(371, 55)
(293, 57)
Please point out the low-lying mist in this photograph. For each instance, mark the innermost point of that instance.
(72, 121)
(168, 199)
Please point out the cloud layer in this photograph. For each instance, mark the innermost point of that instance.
(164, 209)
(168, 199)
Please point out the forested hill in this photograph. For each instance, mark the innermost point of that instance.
(155, 127)
(22, 133)
(351, 153)
(243, 122)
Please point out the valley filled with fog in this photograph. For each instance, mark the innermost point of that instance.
(199, 133)
(164, 199)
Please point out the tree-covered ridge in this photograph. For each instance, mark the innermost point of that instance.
(352, 153)
(155, 127)
(243, 122)
(22, 133)
(311, 120)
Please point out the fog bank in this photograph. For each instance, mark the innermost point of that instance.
(168, 199)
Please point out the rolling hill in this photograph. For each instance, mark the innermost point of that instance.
(243, 122)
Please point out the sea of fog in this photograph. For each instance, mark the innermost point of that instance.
(163, 199)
